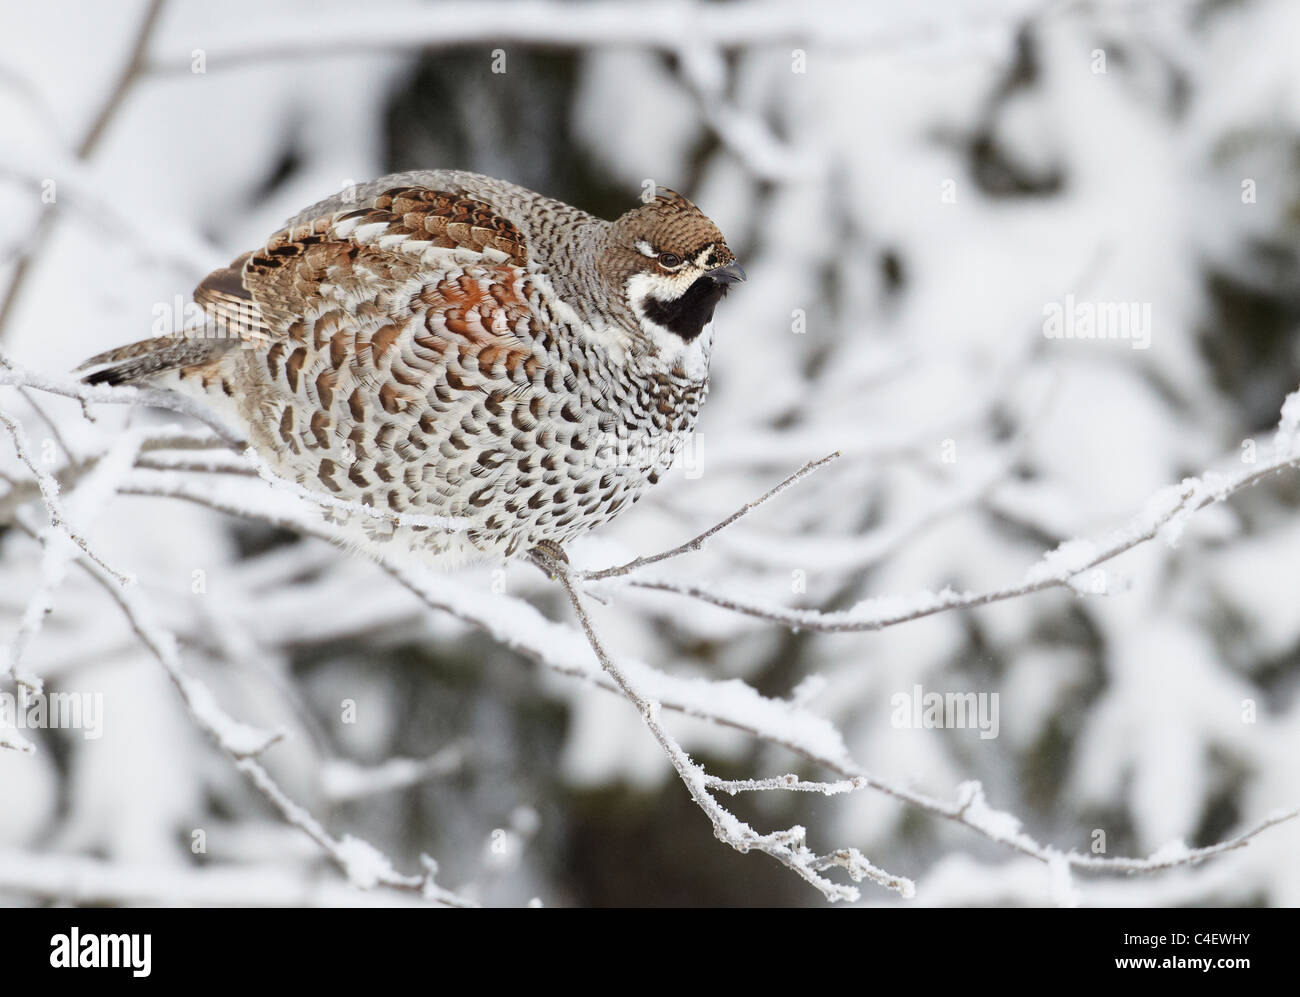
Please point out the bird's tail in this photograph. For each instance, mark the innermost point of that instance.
(143, 360)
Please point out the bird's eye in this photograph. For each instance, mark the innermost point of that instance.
(670, 261)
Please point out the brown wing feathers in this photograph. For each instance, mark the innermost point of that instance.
(262, 293)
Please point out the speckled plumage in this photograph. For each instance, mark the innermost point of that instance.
(446, 344)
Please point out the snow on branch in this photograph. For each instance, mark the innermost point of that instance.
(13, 374)
(60, 542)
(132, 467)
(364, 865)
(82, 880)
(1164, 515)
(658, 24)
(789, 847)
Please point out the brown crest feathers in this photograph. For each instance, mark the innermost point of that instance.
(669, 198)
(670, 223)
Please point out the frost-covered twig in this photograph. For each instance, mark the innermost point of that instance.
(344, 780)
(131, 72)
(166, 449)
(49, 488)
(518, 626)
(78, 879)
(60, 541)
(90, 498)
(788, 847)
(746, 134)
(218, 462)
(971, 810)
(1166, 512)
(659, 24)
(789, 781)
(363, 864)
(173, 401)
(29, 396)
(1177, 854)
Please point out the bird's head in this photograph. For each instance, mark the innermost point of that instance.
(672, 266)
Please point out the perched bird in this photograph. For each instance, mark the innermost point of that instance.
(445, 344)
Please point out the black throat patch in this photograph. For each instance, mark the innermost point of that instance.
(688, 315)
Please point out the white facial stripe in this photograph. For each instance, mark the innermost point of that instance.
(705, 259)
(666, 285)
(669, 347)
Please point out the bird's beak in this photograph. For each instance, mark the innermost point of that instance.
(730, 274)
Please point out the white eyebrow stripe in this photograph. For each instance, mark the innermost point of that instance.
(645, 249)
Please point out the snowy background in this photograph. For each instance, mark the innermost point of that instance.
(911, 188)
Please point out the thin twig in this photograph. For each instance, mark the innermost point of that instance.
(364, 865)
(344, 780)
(173, 401)
(552, 657)
(874, 615)
(50, 493)
(181, 462)
(696, 543)
(787, 847)
(30, 397)
(603, 24)
(790, 782)
(131, 72)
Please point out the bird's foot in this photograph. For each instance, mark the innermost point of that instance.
(548, 555)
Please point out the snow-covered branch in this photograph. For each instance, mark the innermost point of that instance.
(789, 847)
(92, 881)
(128, 468)
(364, 865)
(1165, 514)
(662, 24)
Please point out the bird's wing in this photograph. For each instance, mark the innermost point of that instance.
(384, 326)
(329, 296)
(445, 272)
(345, 256)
